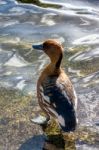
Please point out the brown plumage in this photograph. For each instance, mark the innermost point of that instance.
(55, 92)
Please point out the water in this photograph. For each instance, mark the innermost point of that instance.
(76, 25)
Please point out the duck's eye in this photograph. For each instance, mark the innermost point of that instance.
(45, 46)
(48, 47)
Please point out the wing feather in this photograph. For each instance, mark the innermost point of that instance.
(58, 103)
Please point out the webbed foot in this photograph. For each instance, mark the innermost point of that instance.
(42, 121)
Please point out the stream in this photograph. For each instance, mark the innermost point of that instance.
(74, 23)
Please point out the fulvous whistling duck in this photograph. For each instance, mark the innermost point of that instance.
(55, 92)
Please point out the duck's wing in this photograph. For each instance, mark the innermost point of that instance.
(56, 100)
(68, 90)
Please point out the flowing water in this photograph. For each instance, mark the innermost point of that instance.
(76, 25)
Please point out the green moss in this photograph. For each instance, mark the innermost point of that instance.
(38, 3)
(15, 113)
(54, 135)
(67, 140)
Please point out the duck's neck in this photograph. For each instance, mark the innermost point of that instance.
(54, 68)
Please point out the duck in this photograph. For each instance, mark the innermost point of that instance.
(55, 92)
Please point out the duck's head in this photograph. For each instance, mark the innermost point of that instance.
(53, 49)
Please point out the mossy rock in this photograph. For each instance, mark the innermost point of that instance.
(38, 3)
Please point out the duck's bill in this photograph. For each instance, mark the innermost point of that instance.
(38, 47)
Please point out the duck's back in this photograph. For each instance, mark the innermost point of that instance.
(58, 99)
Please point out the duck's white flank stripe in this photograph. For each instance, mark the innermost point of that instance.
(41, 88)
(53, 111)
(46, 98)
(61, 120)
(75, 99)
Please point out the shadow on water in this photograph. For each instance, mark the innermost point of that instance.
(52, 142)
(35, 143)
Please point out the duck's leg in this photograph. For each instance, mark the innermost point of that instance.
(42, 120)
(45, 123)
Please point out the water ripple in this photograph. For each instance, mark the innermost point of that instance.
(89, 39)
(76, 25)
(89, 54)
